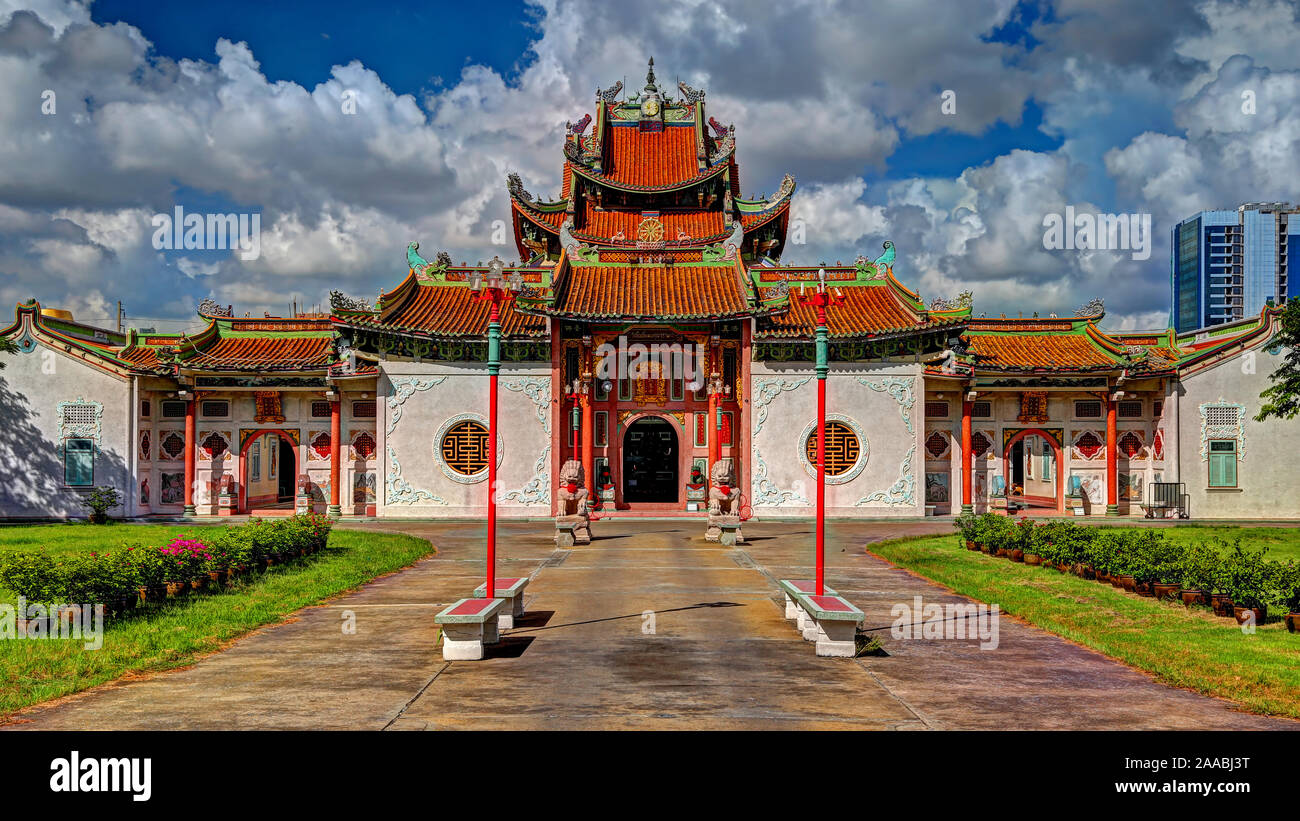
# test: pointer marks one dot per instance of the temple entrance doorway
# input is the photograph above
(1034, 464)
(650, 459)
(269, 469)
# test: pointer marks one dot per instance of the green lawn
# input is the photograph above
(1283, 543)
(1185, 648)
(177, 633)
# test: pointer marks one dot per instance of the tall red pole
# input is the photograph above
(190, 445)
(820, 301)
(821, 469)
(494, 366)
(1112, 458)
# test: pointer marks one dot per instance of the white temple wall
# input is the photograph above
(421, 402)
(879, 402)
(1268, 453)
(33, 385)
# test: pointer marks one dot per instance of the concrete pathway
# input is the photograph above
(649, 627)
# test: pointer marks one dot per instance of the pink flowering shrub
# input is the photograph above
(102, 576)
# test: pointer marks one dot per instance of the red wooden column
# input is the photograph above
(1112, 458)
(711, 428)
(967, 458)
(190, 444)
(588, 445)
(336, 457)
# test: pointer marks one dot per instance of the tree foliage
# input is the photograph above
(1282, 398)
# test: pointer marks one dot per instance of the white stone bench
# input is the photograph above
(796, 587)
(467, 625)
(832, 622)
(512, 590)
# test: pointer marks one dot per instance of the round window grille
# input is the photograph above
(465, 448)
(842, 448)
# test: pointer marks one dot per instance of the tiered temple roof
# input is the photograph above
(649, 227)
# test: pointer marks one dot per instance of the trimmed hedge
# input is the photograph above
(1218, 566)
(114, 575)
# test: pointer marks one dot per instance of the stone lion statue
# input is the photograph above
(573, 489)
(723, 494)
(572, 522)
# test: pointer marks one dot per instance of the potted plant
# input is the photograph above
(1248, 579)
(1026, 539)
(966, 525)
(99, 501)
(1123, 561)
(1200, 572)
(1161, 566)
(1289, 588)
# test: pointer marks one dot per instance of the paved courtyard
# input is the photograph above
(721, 655)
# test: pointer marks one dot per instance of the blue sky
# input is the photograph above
(414, 46)
(1095, 104)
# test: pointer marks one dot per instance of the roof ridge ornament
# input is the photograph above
(962, 301)
(422, 266)
(209, 307)
(879, 268)
(610, 95)
(341, 302)
(1095, 307)
(515, 185)
(689, 94)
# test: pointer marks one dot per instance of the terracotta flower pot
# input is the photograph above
(970, 545)
(174, 589)
(1127, 582)
(143, 593)
(1293, 622)
(1222, 604)
(1241, 614)
(1116, 580)
(1144, 589)
(1191, 597)
(1103, 577)
(1166, 590)
(1017, 555)
(1085, 571)
(1033, 559)
(215, 576)
(196, 585)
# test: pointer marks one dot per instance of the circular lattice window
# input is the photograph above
(846, 449)
(465, 448)
(461, 448)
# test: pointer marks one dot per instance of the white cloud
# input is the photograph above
(1149, 113)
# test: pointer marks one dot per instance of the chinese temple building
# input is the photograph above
(654, 332)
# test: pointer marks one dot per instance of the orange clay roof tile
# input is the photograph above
(646, 291)
(650, 158)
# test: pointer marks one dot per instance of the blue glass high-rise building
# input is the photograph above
(1227, 264)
